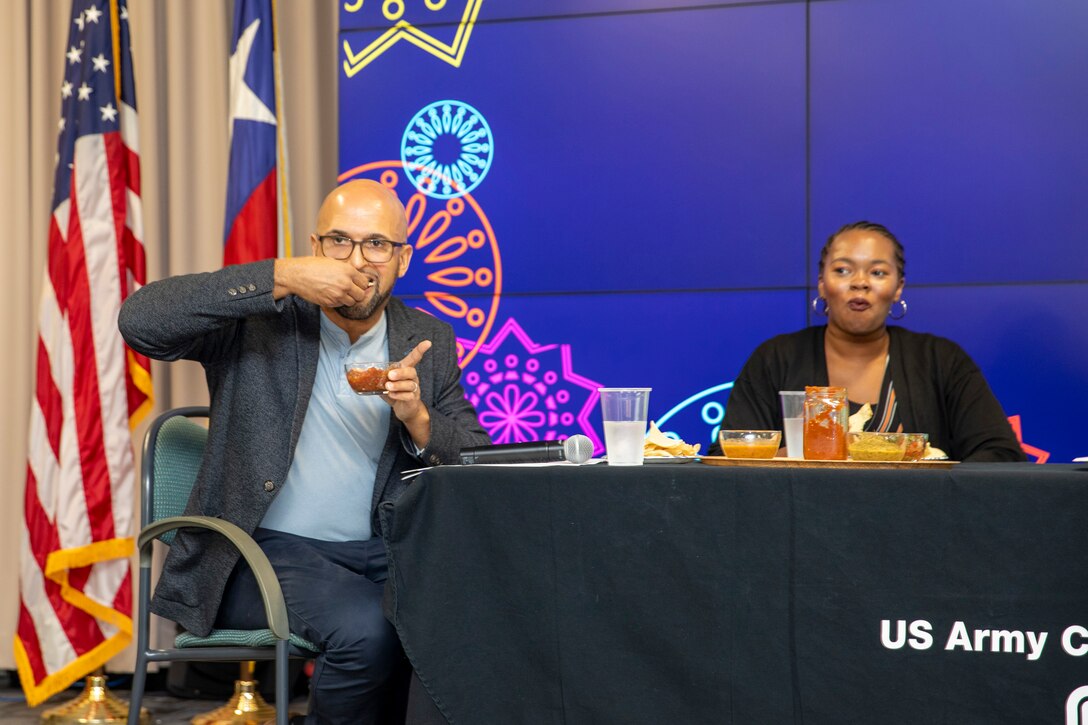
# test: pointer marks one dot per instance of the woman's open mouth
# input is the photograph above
(858, 304)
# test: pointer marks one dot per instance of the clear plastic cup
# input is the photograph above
(793, 421)
(624, 411)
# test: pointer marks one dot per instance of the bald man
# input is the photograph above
(294, 456)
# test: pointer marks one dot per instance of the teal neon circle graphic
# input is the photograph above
(447, 149)
(711, 412)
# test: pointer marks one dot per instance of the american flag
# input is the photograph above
(256, 218)
(75, 608)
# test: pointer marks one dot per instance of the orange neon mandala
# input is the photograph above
(456, 244)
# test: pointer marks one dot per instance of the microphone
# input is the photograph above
(576, 449)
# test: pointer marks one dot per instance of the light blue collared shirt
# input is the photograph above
(328, 491)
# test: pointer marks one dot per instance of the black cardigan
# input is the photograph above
(939, 391)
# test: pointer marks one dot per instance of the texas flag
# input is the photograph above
(256, 220)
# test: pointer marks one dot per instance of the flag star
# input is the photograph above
(93, 14)
(85, 91)
(247, 105)
(60, 126)
(124, 12)
(73, 54)
(79, 21)
(100, 62)
(109, 113)
(66, 89)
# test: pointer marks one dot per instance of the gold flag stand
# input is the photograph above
(245, 707)
(94, 706)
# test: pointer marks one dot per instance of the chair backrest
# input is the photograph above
(173, 450)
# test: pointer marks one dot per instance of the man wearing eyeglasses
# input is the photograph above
(294, 456)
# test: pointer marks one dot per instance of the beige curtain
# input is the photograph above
(180, 52)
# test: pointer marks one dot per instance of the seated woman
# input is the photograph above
(915, 382)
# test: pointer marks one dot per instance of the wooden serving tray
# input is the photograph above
(803, 463)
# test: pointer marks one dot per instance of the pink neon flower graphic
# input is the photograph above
(529, 392)
(511, 415)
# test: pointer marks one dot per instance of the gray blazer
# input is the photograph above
(260, 358)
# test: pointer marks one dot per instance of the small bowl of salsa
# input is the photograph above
(916, 446)
(749, 443)
(368, 378)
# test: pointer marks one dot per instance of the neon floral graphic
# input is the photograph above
(453, 240)
(527, 392)
(511, 414)
(447, 149)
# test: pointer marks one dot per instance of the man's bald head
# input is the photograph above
(363, 197)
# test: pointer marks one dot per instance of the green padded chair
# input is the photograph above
(173, 448)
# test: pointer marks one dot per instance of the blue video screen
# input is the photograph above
(631, 193)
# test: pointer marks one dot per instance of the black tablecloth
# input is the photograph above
(689, 593)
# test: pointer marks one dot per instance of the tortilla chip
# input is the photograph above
(860, 418)
(659, 445)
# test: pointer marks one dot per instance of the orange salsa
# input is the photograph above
(370, 380)
(826, 411)
(744, 449)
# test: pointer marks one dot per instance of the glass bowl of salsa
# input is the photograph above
(368, 378)
(916, 446)
(749, 443)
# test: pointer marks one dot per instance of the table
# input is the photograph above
(687, 593)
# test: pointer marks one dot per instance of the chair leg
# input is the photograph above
(283, 698)
(143, 629)
(139, 680)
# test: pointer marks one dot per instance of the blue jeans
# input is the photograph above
(333, 591)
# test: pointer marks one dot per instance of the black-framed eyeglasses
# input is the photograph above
(376, 250)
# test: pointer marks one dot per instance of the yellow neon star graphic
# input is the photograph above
(451, 53)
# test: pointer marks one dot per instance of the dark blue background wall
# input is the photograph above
(660, 180)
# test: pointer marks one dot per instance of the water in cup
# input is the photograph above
(795, 437)
(623, 441)
(793, 421)
(624, 411)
